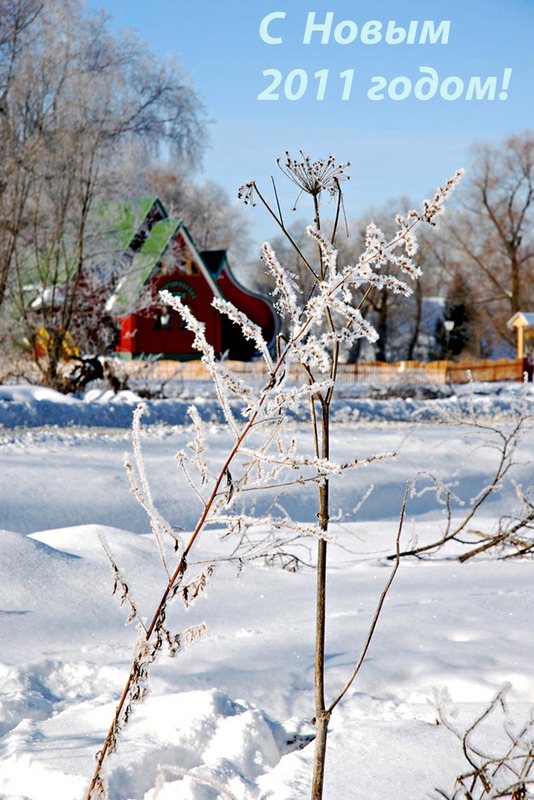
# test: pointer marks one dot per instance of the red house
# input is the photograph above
(159, 253)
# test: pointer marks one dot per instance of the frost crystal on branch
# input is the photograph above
(249, 329)
(140, 486)
(192, 324)
(433, 208)
(328, 253)
(285, 287)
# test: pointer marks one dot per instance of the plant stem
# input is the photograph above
(319, 763)
(322, 716)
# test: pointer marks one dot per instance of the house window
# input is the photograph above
(163, 320)
(186, 265)
(164, 266)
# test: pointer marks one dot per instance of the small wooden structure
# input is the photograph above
(523, 322)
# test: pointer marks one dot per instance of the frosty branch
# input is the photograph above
(500, 755)
(512, 535)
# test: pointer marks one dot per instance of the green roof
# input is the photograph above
(153, 248)
(143, 264)
(120, 220)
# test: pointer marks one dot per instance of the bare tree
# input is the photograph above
(77, 95)
(206, 209)
(15, 17)
(490, 235)
(396, 319)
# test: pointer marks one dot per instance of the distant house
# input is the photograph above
(155, 253)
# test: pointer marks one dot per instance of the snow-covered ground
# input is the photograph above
(233, 709)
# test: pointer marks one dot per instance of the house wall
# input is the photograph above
(158, 330)
(257, 308)
(169, 260)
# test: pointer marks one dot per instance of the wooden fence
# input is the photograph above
(434, 372)
(504, 369)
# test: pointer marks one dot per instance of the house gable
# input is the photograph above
(167, 259)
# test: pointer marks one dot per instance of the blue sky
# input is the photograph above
(398, 144)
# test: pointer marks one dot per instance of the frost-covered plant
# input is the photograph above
(513, 534)
(263, 455)
(319, 325)
(499, 753)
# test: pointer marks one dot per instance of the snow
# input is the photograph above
(229, 716)
(30, 406)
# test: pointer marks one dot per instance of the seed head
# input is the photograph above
(313, 177)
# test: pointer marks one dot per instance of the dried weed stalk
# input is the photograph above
(500, 755)
(513, 534)
(262, 454)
